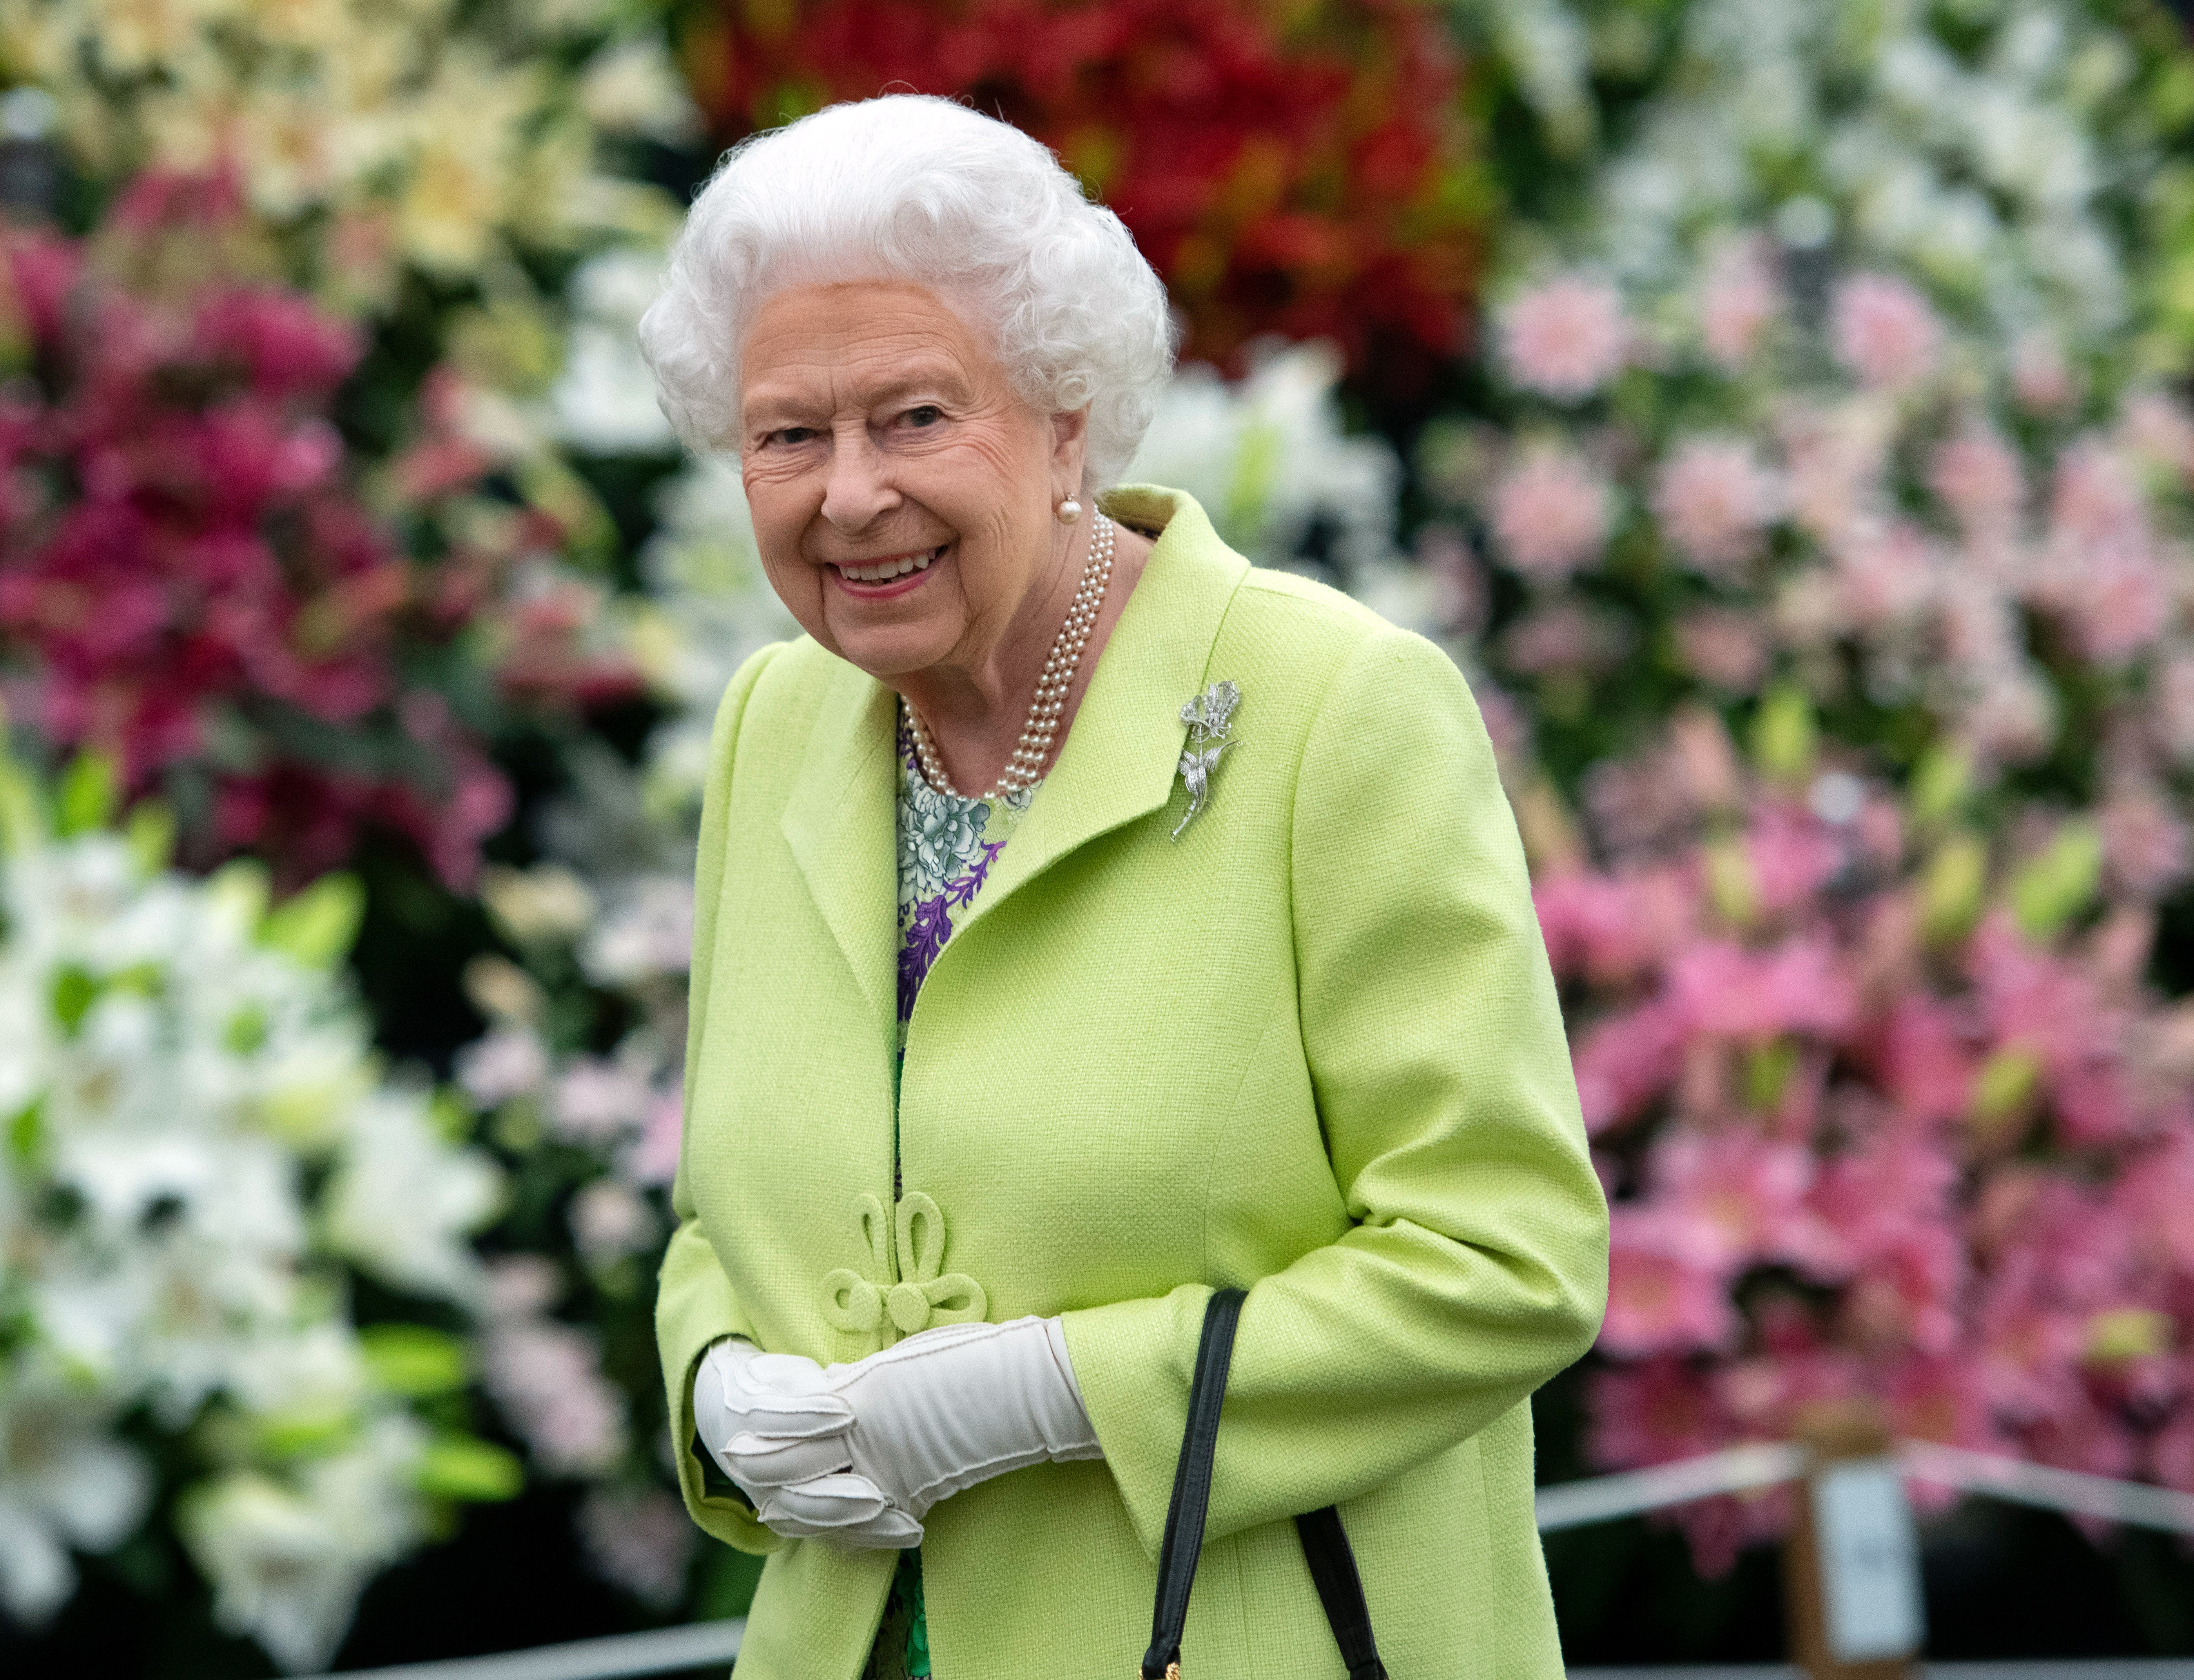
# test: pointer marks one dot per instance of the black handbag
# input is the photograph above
(1324, 1542)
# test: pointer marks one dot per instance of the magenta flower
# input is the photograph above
(1653, 1412)
(653, 1159)
(1885, 572)
(1792, 857)
(1725, 646)
(2145, 842)
(1613, 929)
(1851, 1158)
(596, 1101)
(1743, 1197)
(1624, 1061)
(1667, 1292)
(1923, 1060)
(1835, 457)
(1724, 991)
(2042, 380)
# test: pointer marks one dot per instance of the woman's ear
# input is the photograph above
(1070, 446)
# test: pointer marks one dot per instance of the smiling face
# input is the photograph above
(903, 495)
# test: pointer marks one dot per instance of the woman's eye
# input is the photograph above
(792, 434)
(928, 414)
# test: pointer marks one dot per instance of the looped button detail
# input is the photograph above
(924, 1294)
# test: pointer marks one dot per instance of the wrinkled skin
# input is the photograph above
(877, 425)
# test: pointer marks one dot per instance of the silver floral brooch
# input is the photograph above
(1209, 718)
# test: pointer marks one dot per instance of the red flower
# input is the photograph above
(1301, 173)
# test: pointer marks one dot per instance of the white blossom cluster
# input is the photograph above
(1989, 147)
(199, 1149)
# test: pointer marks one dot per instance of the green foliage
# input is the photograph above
(1785, 740)
(415, 1360)
(2050, 889)
(317, 926)
(89, 794)
(469, 1471)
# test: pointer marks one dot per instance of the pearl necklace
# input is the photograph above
(1034, 749)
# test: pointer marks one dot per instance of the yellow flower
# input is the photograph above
(38, 45)
(318, 25)
(289, 153)
(134, 36)
(545, 185)
(2122, 1335)
(185, 129)
(446, 218)
(367, 74)
(458, 188)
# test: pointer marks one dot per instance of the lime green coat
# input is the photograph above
(1312, 1047)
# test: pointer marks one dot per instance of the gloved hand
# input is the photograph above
(953, 1406)
(771, 1422)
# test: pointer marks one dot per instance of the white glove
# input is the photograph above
(771, 1422)
(951, 1407)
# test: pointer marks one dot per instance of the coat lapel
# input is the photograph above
(842, 823)
(1122, 752)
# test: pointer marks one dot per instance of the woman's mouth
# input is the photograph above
(890, 576)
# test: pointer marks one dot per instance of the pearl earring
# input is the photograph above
(1068, 511)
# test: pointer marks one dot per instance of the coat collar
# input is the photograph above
(1118, 762)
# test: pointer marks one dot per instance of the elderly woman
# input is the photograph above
(1085, 920)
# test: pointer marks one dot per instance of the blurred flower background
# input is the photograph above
(1780, 408)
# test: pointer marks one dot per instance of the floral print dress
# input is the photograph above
(946, 847)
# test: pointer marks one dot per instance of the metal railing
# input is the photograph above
(1734, 1470)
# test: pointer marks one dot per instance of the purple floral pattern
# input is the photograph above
(946, 847)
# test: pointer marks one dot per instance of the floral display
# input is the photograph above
(203, 1160)
(1763, 422)
(190, 579)
(1921, 558)
(422, 137)
(1825, 405)
(1887, 1112)
(1782, 416)
(1302, 172)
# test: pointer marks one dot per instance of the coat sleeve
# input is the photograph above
(1477, 1266)
(695, 1304)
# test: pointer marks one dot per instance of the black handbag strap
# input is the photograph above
(1324, 1541)
(1341, 1590)
(1191, 1485)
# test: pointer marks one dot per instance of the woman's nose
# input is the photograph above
(858, 490)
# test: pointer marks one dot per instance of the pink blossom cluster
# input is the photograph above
(190, 579)
(1551, 511)
(1885, 331)
(1898, 496)
(1716, 501)
(1565, 338)
(1867, 1138)
(546, 1376)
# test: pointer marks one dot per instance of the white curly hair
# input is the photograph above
(913, 187)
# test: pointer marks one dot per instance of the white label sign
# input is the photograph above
(1869, 1561)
